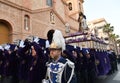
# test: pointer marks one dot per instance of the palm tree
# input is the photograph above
(114, 38)
(118, 41)
(118, 46)
(108, 29)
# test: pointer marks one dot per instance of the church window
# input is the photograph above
(70, 6)
(26, 22)
(49, 3)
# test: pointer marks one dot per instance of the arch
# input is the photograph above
(5, 32)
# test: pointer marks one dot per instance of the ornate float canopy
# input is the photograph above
(85, 40)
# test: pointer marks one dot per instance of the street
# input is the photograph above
(113, 78)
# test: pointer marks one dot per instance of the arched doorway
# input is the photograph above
(5, 31)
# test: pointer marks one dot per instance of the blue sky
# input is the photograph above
(108, 9)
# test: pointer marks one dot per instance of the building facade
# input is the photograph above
(96, 27)
(21, 18)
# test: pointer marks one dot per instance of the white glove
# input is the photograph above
(36, 39)
(22, 44)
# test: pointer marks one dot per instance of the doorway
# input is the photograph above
(5, 30)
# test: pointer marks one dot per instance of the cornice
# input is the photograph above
(42, 10)
(23, 8)
(15, 5)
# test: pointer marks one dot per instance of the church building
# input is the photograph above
(22, 18)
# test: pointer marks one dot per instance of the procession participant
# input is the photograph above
(1, 63)
(91, 66)
(59, 69)
(37, 67)
(79, 64)
(24, 58)
(10, 64)
(47, 44)
(68, 53)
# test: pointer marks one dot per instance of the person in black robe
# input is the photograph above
(79, 65)
(37, 68)
(1, 65)
(24, 59)
(10, 65)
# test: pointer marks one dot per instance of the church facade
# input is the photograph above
(22, 18)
